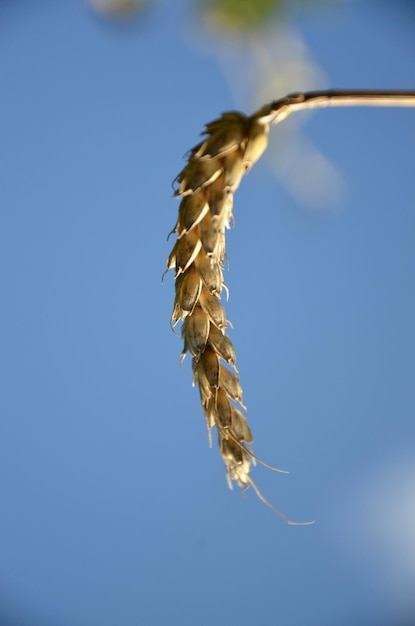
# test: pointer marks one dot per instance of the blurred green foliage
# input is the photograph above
(240, 15)
(229, 16)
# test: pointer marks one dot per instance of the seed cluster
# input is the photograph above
(206, 185)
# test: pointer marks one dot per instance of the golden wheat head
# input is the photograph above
(206, 185)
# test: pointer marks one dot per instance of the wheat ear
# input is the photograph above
(206, 186)
(215, 167)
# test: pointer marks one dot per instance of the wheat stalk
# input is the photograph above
(232, 145)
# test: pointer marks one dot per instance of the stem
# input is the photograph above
(280, 109)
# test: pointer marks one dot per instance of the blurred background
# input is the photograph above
(113, 508)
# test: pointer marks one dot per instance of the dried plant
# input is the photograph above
(215, 167)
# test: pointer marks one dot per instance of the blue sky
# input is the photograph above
(114, 509)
